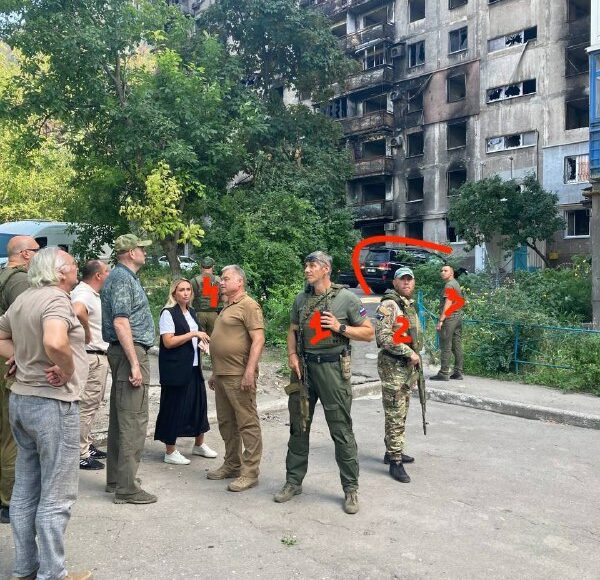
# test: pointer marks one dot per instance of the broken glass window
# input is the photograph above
(495, 94)
(570, 169)
(512, 141)
(513, 39)
(495, 144)
(512, 91)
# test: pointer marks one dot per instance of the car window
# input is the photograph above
(378, 256)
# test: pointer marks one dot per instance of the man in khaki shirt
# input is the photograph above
(235, 347)
(45, 337)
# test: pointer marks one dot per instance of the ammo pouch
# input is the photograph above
(346, 364)
(294, 385)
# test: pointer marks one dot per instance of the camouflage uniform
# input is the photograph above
(207, 314)
(397, 376)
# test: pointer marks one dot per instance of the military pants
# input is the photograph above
(451, 344)
(326, 383)
(396, 380)
(238, 424)
(128, 420)
(207, 321)
(8, 448)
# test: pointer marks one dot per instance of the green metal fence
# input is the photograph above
(530, 344)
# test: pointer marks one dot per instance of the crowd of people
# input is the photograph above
(59, 338)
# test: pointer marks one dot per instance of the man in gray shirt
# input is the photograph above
(128, 327)
(449, 329)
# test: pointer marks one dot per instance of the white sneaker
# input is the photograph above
(205, 451)
(176, 458)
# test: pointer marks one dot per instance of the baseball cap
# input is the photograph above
(128, 242)
(404, 271)
(207, 262)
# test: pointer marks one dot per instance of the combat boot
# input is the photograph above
(287, 492)
(242, 483)
(223, 472)
(440, 377)
(405, 458)
(398, 473)
(457, 375)
(351, 502)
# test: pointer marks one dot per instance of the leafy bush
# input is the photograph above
(277, 312)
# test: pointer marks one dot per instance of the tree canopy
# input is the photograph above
(513, 214)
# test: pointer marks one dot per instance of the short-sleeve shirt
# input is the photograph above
(167, 326)
(455, 286)
(345, 306)
(24, 322)
(84, 294)
(230, 341)
(13, 281)
(123, 296)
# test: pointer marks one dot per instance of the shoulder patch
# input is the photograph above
(379, 316)
(362, 311)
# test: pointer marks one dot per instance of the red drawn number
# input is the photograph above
(315, 324)
(398, 335)
(211, 290)
(457, 301)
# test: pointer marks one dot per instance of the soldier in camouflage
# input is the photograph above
(206, 311)
(397, 364)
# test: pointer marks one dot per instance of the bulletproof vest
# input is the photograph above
(201, 302)
(410, 312)
(5, 276)
(327, 301)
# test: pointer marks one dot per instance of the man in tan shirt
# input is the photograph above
(235, 347)
(45, 337)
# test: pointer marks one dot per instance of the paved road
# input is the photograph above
(492, 497)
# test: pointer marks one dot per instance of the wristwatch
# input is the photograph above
(342, 329)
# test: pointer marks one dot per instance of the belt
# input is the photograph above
(399, 357)
(321, 358)
(98, 352)
(145, 347)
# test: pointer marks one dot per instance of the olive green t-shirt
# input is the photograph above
(345, 306)
(13, 281)
(24, 323)
(230, 340)
(455, 286)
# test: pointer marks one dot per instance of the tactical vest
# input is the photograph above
(409, 312)
(309, 304)
(201, 302)
(5, 276)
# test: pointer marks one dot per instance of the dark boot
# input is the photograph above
(456, 375)
(405, 458)
(398, 473)
(440, 377)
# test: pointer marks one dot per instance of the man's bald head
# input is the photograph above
(20, 250)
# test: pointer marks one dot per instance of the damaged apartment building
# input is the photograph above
(458, 90)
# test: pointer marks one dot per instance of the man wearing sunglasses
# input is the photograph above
(13, 281)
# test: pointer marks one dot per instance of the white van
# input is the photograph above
(45, 233)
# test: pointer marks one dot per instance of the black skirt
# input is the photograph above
(183, 411)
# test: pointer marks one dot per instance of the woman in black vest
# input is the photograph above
(183, 407)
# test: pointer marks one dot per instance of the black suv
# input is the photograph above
(380, 264)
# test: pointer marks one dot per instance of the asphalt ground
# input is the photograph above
(492, 496)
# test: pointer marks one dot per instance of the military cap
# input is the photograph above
(128, 242)
(404, 271)
(207, 262)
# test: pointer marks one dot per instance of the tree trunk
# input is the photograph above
(534, 248)
(169, 246)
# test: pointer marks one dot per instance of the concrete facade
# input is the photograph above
(477, 88)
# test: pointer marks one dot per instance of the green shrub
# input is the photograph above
(277, 312)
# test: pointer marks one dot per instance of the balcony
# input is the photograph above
(376, 166)
(379, 121)
(374, 210)
(382, 31)
(380, 77)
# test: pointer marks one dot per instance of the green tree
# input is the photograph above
(504, 211)
(129, 87)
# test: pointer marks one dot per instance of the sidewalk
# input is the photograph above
(505, 397)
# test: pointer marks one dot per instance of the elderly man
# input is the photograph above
(325, 317)
(47, 341)
(128, 327)
(449, 329)
(88, 308)
(13, 281)
(206, 295)
(398, 365)
(235, 348)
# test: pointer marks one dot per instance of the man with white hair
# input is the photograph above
(13, 281)
(45, 337)
(235, 347)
